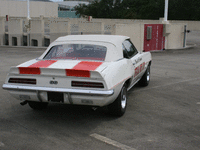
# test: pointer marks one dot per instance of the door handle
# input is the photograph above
(137, 60)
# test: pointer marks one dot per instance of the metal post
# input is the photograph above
(28, 26)
(166, 10)
(184, 40)
(28, 33)
(28, 10)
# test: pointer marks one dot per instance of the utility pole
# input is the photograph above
(28, 9)
(29, 25)
(166, 11)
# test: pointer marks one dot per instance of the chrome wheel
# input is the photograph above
(123, 98)
(118, 107)
(148, 74)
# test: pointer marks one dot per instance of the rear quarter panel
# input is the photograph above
(117, 73)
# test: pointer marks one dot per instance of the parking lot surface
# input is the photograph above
(161, 116)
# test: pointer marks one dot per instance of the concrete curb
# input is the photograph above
(27, 47)
(189, 46)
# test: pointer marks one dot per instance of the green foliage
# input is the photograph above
(184, 10)
(141, 9)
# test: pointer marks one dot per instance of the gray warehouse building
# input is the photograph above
(46, 8)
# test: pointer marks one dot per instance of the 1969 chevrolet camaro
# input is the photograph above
(95, 70)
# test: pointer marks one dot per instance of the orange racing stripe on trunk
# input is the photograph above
(35, 68)
(77, 73)
(83, 69)
(29, 70)
(42, 64)
(87, 65)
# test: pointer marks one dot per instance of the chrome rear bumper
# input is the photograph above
(53, 89)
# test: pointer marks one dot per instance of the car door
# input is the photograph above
(135, 57)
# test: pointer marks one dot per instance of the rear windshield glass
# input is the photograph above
(77, 51)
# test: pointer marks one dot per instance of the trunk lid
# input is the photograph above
(60, 73)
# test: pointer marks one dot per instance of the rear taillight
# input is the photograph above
(22, 81)
(87, 84)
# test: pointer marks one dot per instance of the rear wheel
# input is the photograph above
(37, 105)
(144, 81)
(118, 107)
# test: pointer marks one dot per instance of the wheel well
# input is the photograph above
(128, 82)
(149, 63)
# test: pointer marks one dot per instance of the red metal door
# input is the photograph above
(153, 37)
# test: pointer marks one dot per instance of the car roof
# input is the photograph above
(112, 42)
(114, 39)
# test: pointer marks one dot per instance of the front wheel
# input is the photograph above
(118, 107)
(144, 81)
(37, 105)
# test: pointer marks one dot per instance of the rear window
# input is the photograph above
(77, 51)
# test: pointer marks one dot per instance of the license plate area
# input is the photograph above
(55, 97)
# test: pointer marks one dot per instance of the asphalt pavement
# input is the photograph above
(162, 116)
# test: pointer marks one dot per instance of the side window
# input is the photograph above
(125, 52)
(130, 48)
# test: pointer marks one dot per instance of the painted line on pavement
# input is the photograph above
(166, 85)
(1, 144)
(111, 142)
(198, 103)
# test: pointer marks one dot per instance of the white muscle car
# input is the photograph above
(95, 70)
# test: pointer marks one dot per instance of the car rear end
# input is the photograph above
(73, 82)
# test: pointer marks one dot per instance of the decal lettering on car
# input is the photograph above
(139, 69)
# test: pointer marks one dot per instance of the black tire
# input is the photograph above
(144, 81)
(118, 107)
(37, 105)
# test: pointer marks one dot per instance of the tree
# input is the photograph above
(146, 9)
(141, 9)
(102, 9)
(184, 10)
